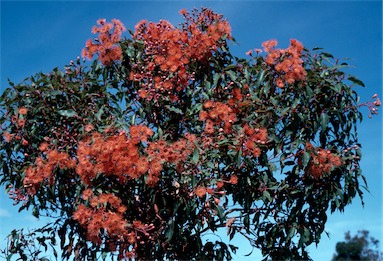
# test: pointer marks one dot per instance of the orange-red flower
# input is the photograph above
(269, 45)
(200, 191)
(86, 194)
(106, 44)
(280, 83)
(21, 122)
(287, 62)
(23, 110)
(89, 127)
(322, 161)
(43, 146)
(233, 179)
(172, 49)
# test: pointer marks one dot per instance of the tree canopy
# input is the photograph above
(165, 137)
(359, 247)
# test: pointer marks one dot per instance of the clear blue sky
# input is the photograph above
(38, 36)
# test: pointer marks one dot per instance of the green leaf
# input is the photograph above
(133, 120)
(272, 167)
(68, 113)
(195, 156)
(246, 74)
(55, 92)
(266, 194)
(210, 164)
(328, 55)
(99, 113)
(160, 132)
(35, 212)
(309, 92)
(305, 158)
(215, 79)
(173, 109)
(246, 221)
(273, 101)
(324, 121)
(207, 84)
(220, 213)
(239, 157)
(261, 76)
(284, 111)
(5, 93)
(169, 231)
(356, 81)
(291, 233)
(232, 75)
(359, 152)
(230, 66)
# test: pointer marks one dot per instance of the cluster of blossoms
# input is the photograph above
(125, 158)
(238, 102)
(19, 121)
(106, 44)
(254, 136)
(217, 114)
(17, 195)
(161, 152)
(372, 105)
(113, 156)
(169, 51)
(45, 166)
(116, 155)
(322, 161)
(105, 212)
(120, 156)
(216, 190)
(220, 117)
(103, 218)
(287, 62)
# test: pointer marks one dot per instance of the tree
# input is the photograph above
(359, 247)
(166, 136)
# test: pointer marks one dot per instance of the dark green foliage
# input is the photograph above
(359, 247)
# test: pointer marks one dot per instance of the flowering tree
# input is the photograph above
(166, 137)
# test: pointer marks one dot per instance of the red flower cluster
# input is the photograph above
(19, 120)
(161, 152)
(287, 62)
(17, 195)
(113, 156)
(169, 51)
(44, 169)
(205, 29)
(105, 45)
(254, 137)
(104, 219)
(120, 156)
(217, 114)
(322, 161)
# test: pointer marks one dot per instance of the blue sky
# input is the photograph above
(38, 36)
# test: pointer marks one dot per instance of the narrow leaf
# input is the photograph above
(195, 156)
(356, 81)
(305, 158)
(324, 121)
(67, 113)
(173, 109)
